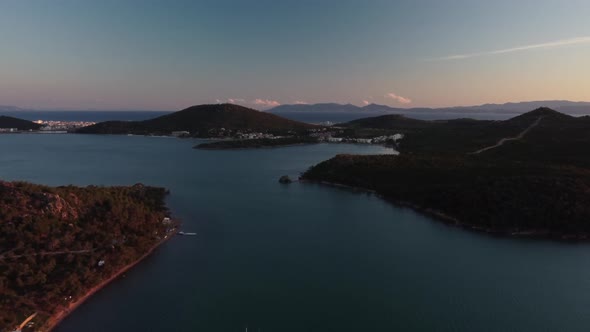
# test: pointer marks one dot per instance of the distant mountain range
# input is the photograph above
(6, 108)
(564, 106)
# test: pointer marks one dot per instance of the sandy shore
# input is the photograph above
(56, 318)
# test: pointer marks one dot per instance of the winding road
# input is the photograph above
(504, 140)
(49, 253)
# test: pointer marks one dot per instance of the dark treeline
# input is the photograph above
(500, 197)
(537, 185)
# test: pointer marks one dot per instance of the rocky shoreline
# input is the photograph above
(55, 319)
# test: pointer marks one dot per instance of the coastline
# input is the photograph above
(53, 321)
(251, 147)
(450, 220)
(198, 147)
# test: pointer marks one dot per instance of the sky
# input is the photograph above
(168, 55)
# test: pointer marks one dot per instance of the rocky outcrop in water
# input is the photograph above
(285, 179)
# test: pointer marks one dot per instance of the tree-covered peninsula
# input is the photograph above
(60, 243)
(527, 176)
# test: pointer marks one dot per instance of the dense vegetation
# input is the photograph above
(536, 185)
(502, 197)
(440, 136)
(53, 240)
(558, 139)
(219, 120)
(10, 122)
(390, 121)
(257, 143)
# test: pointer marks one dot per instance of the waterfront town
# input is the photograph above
(62, 125)
(49, 127)
(326, 134)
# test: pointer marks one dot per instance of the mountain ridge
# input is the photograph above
(565, 106)
(8, 108)
(557, 132)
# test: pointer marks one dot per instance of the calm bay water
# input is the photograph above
(301, 257)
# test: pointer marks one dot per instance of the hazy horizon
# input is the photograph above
(266, 109)
(153, 55)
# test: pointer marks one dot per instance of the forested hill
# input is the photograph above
(203, 121)
(496, 196)
(555, 139)
(20, 124)
(554, 131)
(53, 240)
(529, 175)
(390, 121)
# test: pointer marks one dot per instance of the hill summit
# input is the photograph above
(203, 121)
(545, 112)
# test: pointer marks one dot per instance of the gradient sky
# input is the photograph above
(167, 55)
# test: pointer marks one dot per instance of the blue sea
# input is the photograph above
(300, 257)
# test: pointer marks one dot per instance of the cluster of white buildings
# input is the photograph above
(241, 135)
(375, 140)
(390, 138)
(180, 133)
(62, 125)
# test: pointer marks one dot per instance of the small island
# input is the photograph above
(59, 245)
(257, 143)
(285, 179)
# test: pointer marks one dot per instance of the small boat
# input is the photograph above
(186, 233)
